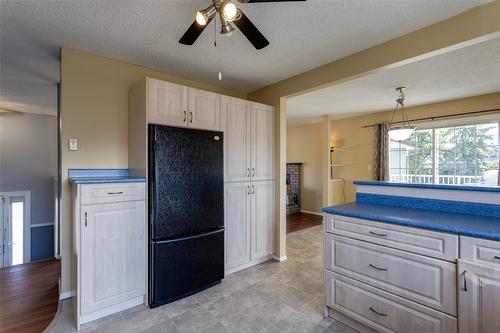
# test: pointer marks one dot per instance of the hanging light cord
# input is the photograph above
(401, 105)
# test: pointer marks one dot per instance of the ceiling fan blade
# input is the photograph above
(251, 32)
(254, 1)
(193, 32)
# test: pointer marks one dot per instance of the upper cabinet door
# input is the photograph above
(236, 139)
(262, 151)
(167, 103)
(203, 109)
(478, 298)
(262, 219)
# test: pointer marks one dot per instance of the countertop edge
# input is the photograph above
(431, 186)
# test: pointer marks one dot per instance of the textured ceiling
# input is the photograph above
(470, 71)
(303, 35)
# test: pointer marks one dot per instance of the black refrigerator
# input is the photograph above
(186, 212)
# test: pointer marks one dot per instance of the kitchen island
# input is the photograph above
(414, 258)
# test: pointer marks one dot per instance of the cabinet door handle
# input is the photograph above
(185, 116)
(253, 189)
(248, 193)
(85, 218)
(377, 234)
(465, 280)
(253, 172)
(497, 257)
(248, 170)
(121, 192)
(377, 268)
(379, 313)
(191, 115)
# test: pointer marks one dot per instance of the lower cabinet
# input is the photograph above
(249, 218)
(478, 298)
(111, 238)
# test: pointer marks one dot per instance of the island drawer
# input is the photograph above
(425, 280)
(429, 243)
(106, 193)
(478, 250)
(382, 311)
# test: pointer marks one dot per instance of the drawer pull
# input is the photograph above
(121, 192)
(379, 313)
(377, 234)
(497, 257)
(377, 268)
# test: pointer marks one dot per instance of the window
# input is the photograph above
(458, 155)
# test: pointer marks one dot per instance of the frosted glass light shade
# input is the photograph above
(401, 133)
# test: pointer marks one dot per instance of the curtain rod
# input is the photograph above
(437, 117)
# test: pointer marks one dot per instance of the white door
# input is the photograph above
(237, 223)
(478, 298)
(262, 219)
(112, 254)
(262, 151)
(15, 228)
(203, 109)
(236, 139)
(167, 103)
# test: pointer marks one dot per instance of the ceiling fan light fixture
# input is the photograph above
(202, 16)
(229, 11)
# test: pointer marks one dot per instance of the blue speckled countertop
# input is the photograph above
(461, 224)
(99, 176)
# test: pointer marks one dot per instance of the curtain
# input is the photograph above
(382, 152)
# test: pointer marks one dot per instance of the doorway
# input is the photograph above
(15, 228)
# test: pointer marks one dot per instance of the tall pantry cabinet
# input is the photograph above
(249, 182)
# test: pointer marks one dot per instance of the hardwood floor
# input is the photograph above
(29, 296)
(299, 221)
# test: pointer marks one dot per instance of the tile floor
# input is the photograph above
(270, 297)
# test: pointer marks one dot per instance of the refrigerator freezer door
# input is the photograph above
(184, 266)
(186, 181)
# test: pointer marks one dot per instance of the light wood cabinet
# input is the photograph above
(479, 298)
(249, 145)
(110, 248)
(262, 226)
(203, 109)
(249, 219)
(167, 103)
(177, 105)
(237, 143)
(262, 136)
(112, 254)
(237, 218)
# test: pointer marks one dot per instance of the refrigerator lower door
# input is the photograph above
(184, 266)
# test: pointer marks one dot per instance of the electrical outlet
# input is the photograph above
(72, 144)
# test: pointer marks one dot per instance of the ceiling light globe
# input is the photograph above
(200, 19)
(229, 11)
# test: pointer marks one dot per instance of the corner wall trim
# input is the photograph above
(67, 294)
(310, 212)
(280, 259)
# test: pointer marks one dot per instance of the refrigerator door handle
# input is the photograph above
(190, 237)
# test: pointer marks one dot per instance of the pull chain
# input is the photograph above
(218, 49)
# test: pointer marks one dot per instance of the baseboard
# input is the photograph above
(247, 265)
(67, 294)
(111, 310)
(310, 212)
(280, 259)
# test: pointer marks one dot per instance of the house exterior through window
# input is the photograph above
(455, 155)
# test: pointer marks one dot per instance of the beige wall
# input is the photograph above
(304, 144)
(94, 103)
(358, 143)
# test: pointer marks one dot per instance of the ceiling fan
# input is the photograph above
(228, 14)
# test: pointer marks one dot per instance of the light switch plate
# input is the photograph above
(73, 144)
